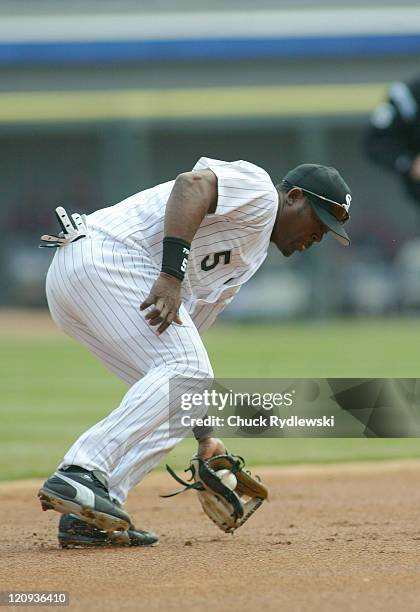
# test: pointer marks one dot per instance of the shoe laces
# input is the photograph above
(98, 476)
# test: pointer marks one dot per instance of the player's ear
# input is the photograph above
(294, 195)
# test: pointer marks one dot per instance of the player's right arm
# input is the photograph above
(194, 195)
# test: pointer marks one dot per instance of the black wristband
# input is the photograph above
(175, 256)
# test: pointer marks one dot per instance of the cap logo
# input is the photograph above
(348, 202)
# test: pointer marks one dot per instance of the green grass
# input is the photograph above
(52, 389)
(355, 348)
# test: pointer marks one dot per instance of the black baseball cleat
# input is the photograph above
(74, 490)
(74, 533)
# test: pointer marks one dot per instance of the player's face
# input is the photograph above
(301, 227)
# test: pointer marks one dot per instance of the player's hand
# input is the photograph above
(165, 295)
(209, 447)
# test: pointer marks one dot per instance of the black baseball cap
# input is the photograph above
(328, 194)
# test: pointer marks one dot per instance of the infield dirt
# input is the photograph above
(332, 538)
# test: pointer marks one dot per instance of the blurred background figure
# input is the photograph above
(101, 100)
(393, 136)
(392, 141)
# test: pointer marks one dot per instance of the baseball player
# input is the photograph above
(392, 139)
(138, 283)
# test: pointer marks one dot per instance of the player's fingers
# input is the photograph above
(156, 319)
(172, 317)
(152, 314)
(164, 312)
(162, 328)
(165, 324)
(160, 303)
(177, 319)
(159, 313)
(148, 301)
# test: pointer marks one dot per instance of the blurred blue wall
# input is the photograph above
(99, 100)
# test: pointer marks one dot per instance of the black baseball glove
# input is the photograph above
(228, 508)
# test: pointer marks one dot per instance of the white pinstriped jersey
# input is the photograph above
(229, 246)
(94, 289)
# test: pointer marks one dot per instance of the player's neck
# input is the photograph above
(276, 227)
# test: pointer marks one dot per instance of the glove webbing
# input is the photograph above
(216, 487)
(187, 485)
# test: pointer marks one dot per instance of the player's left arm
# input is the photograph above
(193, 196)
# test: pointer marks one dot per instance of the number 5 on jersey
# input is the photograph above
(211, 261)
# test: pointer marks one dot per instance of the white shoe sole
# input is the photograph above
(107, 522)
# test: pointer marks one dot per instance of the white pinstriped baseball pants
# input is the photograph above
(94, 289)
